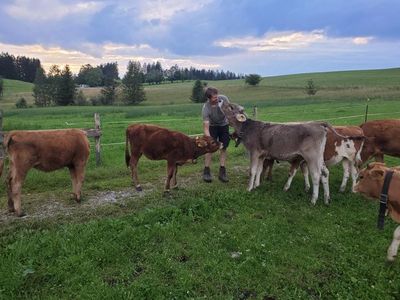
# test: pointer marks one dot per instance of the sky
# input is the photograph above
(266, 37)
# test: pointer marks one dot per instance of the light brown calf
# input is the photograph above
(370, 184)
(45, 150)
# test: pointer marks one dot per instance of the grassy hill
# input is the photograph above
(373, 84)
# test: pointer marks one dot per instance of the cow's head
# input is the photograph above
(234, 113)
(369, 149)
(370, 180)
(207, 144)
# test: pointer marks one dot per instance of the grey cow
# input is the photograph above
(283, 142)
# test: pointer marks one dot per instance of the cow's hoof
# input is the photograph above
(139, 188)
(342, 190)
(390, 259)
(11, 210)
(167, 193)
(175, 187)
(21, 214)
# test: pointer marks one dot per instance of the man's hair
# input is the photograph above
(210, 91)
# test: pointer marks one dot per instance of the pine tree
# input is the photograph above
(66, 90)
(109, 92)
(198, 95)
(132, 86)
(41, 91)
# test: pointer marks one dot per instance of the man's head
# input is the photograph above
(212, 95)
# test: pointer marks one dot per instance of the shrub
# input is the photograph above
(310, 88)
(21, 103)
(253, 79)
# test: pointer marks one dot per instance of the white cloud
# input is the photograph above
(50, 10)
(109, 52)
(161, 10)
(362, 40)
(277, 41)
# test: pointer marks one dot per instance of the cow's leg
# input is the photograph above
(174, 181)
(135, 155)
(77, 175)
(171, 167)
(325, 183)
(354, 175)
(304, 170)
(315, 168)
(259, 171)
(254, 158)
(379, 157)
(267, 165)
(16, 179)
(346, 174)
(9, 191)
(292, 172)
(394, 246)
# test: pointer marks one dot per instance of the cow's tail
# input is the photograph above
(127, 152)
(353, 137)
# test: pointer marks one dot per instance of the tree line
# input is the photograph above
(18, 67)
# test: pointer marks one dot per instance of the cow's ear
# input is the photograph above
(377, 173)
(241, 118)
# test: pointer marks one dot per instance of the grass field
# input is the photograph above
(207, 240)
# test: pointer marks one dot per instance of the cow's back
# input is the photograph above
(49, 150)
(351, 145)
(386, 134)
(290, 140)
(159, 143)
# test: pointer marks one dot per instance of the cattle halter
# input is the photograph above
(384, 199)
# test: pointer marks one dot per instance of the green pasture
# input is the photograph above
(213, 240)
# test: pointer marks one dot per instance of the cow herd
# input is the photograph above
(310, 146)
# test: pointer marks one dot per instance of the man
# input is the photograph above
(216, 125)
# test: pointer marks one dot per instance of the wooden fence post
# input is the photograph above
(255, 112)
(366, 111)
(97, 127)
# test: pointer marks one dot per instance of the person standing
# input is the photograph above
(216, 125)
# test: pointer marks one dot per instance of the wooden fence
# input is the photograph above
(91, 133)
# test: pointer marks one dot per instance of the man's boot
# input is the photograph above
(222, 174)
(207, 174)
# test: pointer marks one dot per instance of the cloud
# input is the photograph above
(287, 40)
(161, 10)
(50, 10)
(108, 52)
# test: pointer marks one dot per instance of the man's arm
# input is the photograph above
(206, 128)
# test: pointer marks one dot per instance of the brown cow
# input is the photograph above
(383, 137)
(370, 184)
(158, 143)
(45, 150)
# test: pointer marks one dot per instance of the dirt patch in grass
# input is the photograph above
(52, 205)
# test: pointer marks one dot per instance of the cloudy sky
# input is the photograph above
(268, 37)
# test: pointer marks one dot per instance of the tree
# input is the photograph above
(66, 89)
(253, 79)
(41, 89)
(109, 92)
(21, 103)
(132, 86)
(310, 88)
(198, 94)
(1, 86)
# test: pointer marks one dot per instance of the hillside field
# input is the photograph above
(216, 240)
